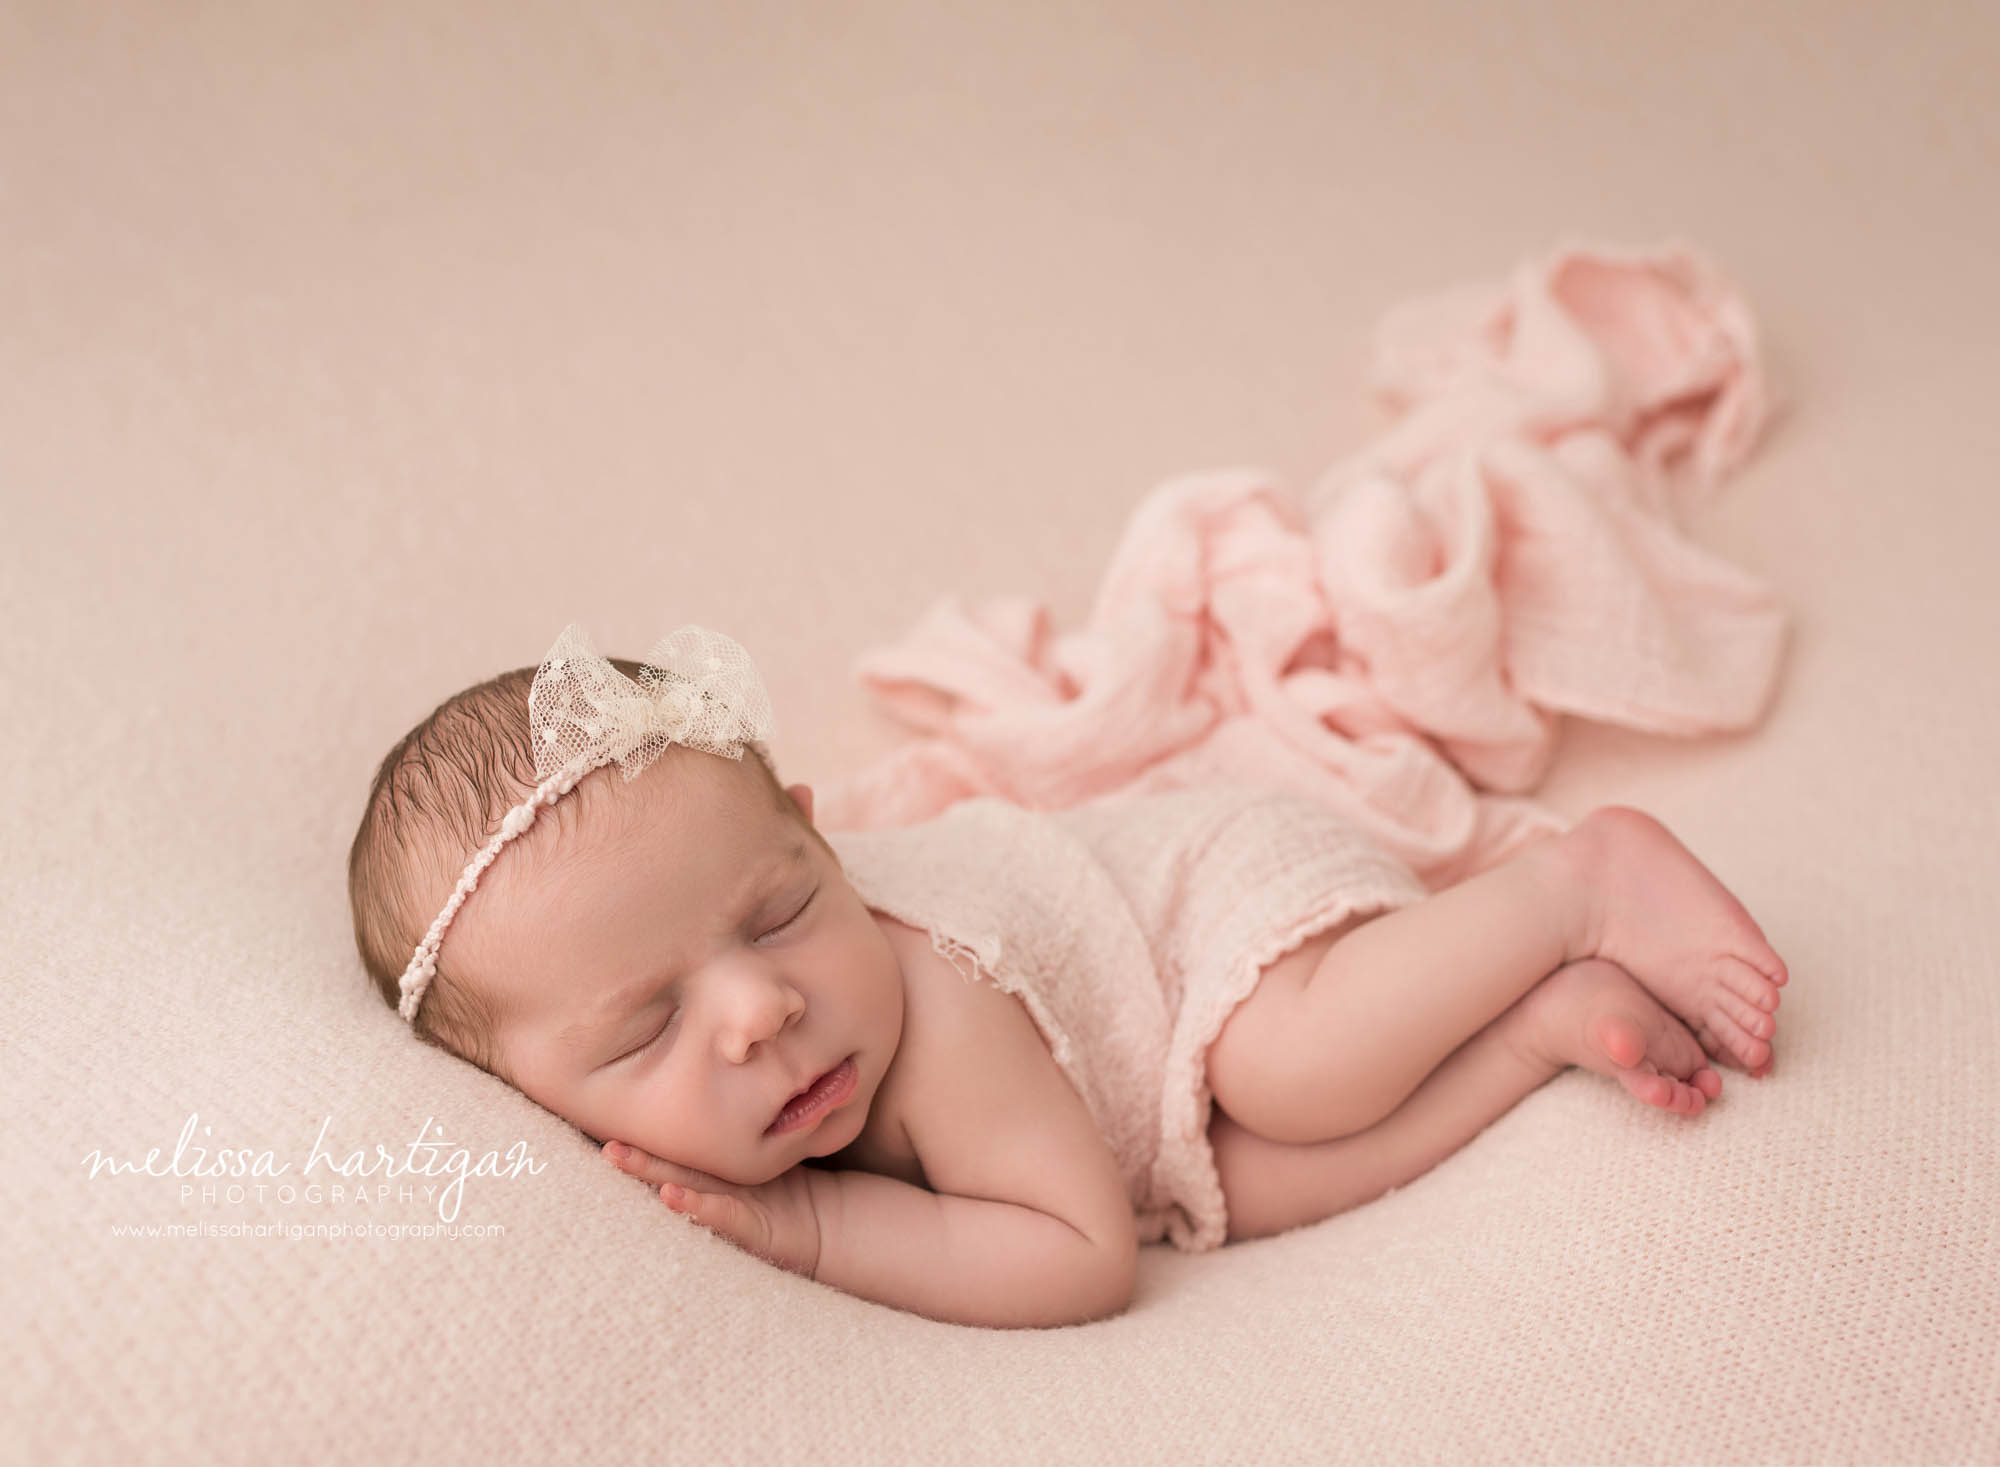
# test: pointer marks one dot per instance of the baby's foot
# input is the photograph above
(1662, 916)
(1595, 1014)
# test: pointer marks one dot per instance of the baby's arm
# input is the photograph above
(969, 1260)
(1027, 1220)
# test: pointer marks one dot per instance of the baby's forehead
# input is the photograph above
(694, 798)
(628, 852)
(684, 791)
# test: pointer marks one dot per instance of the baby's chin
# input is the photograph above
(764, 1169)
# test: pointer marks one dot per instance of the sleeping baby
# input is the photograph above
(967, 1067)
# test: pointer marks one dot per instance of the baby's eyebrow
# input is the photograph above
(621, 1005)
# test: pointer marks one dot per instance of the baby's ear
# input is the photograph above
(802, 796)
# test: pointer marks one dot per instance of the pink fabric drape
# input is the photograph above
(1401, 642)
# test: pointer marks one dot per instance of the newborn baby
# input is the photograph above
(676, 962)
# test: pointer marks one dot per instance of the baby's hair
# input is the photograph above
(438, 797)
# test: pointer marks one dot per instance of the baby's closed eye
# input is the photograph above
(796, 915)
(650, 1040)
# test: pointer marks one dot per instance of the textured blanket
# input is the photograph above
(317, 317)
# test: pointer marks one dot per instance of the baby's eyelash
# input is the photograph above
(643, 1045)
(796, 915)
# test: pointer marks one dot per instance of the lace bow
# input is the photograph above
(696, 687)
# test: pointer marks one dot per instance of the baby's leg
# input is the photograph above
(1321, 1051)
(1590, 1013)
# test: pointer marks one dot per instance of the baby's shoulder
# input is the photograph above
(884, 1146)
(987, 1110)
(944, 1013)
(943, 1002)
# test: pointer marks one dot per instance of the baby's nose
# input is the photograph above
(759, 1011)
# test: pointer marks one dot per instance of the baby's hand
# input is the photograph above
(775, 1221)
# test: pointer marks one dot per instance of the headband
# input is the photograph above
(697, 688)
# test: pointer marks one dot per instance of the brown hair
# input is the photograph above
(437, 798)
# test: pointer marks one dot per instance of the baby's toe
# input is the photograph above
(1748, 984)
(1682, 1099)
(1748, 1050)
(1718, 1049)
(1753, 1022)
(1647, 1084)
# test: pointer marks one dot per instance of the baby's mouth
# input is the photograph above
(802, 1107)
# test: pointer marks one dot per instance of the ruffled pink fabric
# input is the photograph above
(1401, 642)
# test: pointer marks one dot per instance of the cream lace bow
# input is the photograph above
(695, 687)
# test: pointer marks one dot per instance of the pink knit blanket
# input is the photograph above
(1401, 642)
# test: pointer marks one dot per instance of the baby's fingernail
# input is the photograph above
(674, 1192)
(615, 1152)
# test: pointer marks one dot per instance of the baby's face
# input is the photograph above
(679, 962)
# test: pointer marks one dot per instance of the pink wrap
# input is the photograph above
(1130, 928)
(1407, 637)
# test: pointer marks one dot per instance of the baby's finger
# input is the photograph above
(658, 1170)
(642, 1164)
(720, 1212)
(703, 1208)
